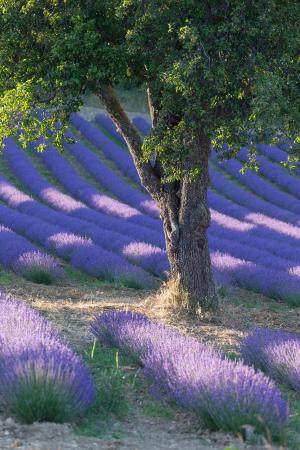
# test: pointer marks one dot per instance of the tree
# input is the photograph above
(216, 72)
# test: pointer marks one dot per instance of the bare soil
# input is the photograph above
(71, 307)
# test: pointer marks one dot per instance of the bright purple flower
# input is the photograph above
(224, 393)
(18, 254)
(31, 263)
(277, 353)
(31, 355)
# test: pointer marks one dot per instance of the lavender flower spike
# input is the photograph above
(225, 394)
(275, 352)
(40, 376)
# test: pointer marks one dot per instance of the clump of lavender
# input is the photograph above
(38, 267)
(225, 394)
(40, 377)
(275, 352)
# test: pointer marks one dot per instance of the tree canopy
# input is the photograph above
(232, 66)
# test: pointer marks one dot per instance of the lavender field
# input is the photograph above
(86, 208)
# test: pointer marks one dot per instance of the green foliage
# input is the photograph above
(108, 369)
(36, 400)
(230, 69)
(38, 275)
(6, 277)
(110, 377)
(121, 389)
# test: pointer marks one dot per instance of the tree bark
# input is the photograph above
(186, 218)
(184, 210)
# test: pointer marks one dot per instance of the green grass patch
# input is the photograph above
(37, 400)
(293, 431)
(155, 408)
(6, 278)
(121, 391)
(38, 276)
(108, 368)
(85, 280)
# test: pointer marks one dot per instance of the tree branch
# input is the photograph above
(150, 180)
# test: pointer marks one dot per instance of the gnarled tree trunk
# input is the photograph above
(183, 207)
(186, 218)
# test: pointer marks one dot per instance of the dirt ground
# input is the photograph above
(71, 307)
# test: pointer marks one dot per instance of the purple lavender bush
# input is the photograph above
(277, 353)
(38, 267)
(21, 256)
(40, 376)
(225, 394)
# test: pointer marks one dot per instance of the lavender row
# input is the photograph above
(24, 258)
(273, 152)
(105, 122)
(110, 180)
(253, 235)
(261, 187)
(235, 192)
(277, 353)
(224, 394)
(275, 174)
(80, 189)
(38, 185)
(80, 251)
(226, 243)
(40, 376)
(142, 125)
(151, 258)
(274, 229)
(113, 151)
(248, 275)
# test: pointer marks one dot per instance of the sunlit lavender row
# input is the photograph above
(40, 376)
(277, 353)
(225, 394)
(24, 258)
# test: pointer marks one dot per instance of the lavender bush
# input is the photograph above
(225, 394)
(40, 377)
(38, 267)
(18, 254)
(277, 353)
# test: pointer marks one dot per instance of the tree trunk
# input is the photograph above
(183, 207)
(186, 218)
